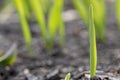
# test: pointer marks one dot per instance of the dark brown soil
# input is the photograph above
(55, 63)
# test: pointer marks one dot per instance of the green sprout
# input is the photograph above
(27, 8)
(67, 77)
(46, 5)
(100, 19)
(23, 11)
(40, 17)
(62, 33)
(93, 51)
(55, 19)
(9, 57)
(82, 7)
(118, 12)
(49, 28)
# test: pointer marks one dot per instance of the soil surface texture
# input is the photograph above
(54, 64)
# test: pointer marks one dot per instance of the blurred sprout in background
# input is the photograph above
(9, 57)
(92, 36)
(82, 7)
(118, 12)
(23, 11)
(53, 23)
(46, 5)
(48, 26)
(67, 77)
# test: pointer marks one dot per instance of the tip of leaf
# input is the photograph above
(9, 57)
(67, 77)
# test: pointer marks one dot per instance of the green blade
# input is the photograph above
(39, 13)
(54, 18)
(9, 57)
(100, 19)
(25, 27)
(118, 12)
(83, 11)
(93, 51)
(67, 77)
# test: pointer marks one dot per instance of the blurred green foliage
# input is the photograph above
(118, 12)
(92, 36)
(9, 57)
(82, 7)
(67, 77)
(48, 26)
(23, 11)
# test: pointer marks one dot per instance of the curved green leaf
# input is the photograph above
(25, 26)
(54, 19)
(93, 50)
(9, 57)
(67, 77)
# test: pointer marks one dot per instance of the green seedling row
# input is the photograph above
(82, 10)
(54, 20)
(82, 7)
(62, 32)
(38, 11)
(9, 57)
(49, 26)
(93, 50)
(118, 12)
(23, 11)
(67, 77)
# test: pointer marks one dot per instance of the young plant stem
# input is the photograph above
(25, 27)
(54, 19)
(39, 13)
(99, 9)
(82, 10)
(93, 51)
(67, 77)
(26, 5)
(118, 13)
(62, 33)
(99, 18)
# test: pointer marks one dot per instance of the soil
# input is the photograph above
(53, 64)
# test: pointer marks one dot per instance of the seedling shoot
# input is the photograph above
(93, 51)
(67, 77)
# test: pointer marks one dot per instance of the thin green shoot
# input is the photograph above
(9, 57)
(118, 12)
(93, 51)
(25, 27)
(45, 5)
(38, 11)
(67, 77)
(48, 27)
(54, 20)
(82, 7)
(100, 18)
(27, 8)
(62, 33)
